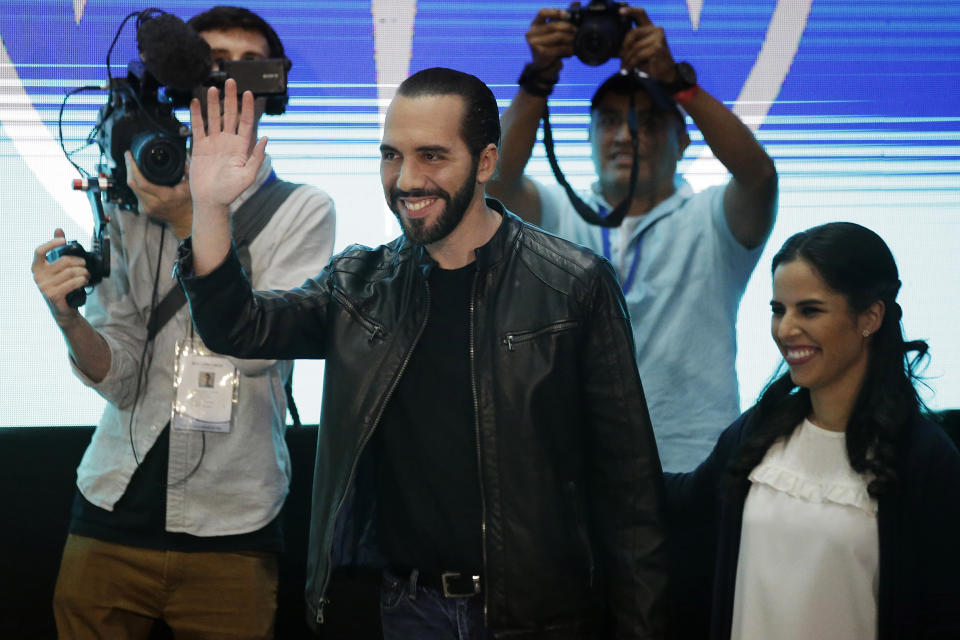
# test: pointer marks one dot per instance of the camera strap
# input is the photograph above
(615, 217)
(248, 221)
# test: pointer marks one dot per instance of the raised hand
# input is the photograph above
(222, 163)
(550, 38)
(645, 48)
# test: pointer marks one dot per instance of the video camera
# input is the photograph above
(139, 114)
(600, 30)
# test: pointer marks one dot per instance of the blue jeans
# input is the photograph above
(409, 611)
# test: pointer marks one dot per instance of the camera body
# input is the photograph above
(139, 117)
(95, 265)
(600, 30)
(136, 119)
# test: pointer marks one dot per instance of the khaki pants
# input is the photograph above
(114, 591)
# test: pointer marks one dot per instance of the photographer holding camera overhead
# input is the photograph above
(683, 258)
(176, 516)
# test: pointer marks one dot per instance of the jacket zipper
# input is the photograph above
(476, 422)
(363, 443)
(375, 330)
(512, 339)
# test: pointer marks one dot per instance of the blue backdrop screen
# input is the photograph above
(858, 104)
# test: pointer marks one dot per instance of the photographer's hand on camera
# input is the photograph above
(222, 166)
(171, 205)
(750, 197)
(58, 278)
(55, 280)
(645, 48)
(550, 38)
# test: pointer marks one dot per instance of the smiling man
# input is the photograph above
(683, 258)
(484, 437)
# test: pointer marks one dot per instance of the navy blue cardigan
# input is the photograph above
(918, 526)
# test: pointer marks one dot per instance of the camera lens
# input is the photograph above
(596, 41)
(160, 156)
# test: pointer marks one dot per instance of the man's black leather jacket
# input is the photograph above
(571, 488)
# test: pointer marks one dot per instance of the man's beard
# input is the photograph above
(416, 230)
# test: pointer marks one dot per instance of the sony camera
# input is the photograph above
(135, 118)
(139, 117)
(175, 66)
(600, 30)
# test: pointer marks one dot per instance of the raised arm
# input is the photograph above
(222, 165)
(750, 198)
(551, 39)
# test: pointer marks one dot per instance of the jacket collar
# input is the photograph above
(495, 250)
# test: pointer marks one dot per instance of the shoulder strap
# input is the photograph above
(254, 214)
(248, 221)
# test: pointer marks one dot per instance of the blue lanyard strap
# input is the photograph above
(608, 254)
(632, 273)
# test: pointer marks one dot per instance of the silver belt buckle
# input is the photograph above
(448, 591)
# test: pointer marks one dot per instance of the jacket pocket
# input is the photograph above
(514, 339)
(374, 329)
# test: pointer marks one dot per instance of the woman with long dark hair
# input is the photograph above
(833, 504)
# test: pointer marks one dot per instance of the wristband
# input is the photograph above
(685, 96)
(534, 83)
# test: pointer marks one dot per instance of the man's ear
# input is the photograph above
(487, 163)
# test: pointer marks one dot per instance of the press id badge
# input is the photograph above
(206, 389)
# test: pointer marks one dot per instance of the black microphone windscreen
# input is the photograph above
(173, 52)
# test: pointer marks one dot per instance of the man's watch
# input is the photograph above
(684, 82)
(685, 78)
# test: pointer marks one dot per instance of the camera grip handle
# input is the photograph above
(78, 297)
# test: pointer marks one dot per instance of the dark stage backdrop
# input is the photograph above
(858, 103)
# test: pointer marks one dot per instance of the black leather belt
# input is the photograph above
(451, 584)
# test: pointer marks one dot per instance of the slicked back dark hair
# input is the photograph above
(224, 18)
(481, 118)
(856, 263)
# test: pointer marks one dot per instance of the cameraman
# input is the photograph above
(170, 522)
(684, 285)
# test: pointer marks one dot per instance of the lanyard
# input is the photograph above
(608, 254)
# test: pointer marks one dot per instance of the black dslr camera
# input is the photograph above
(600, 30)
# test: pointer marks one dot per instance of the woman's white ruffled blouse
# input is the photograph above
(809, 548)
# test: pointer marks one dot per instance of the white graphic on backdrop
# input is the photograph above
(78, 6)
(39, 150)
(694, 7)
(393, 49)
(762, 86)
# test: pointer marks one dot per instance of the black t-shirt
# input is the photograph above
(139, 517)
(427, 481)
